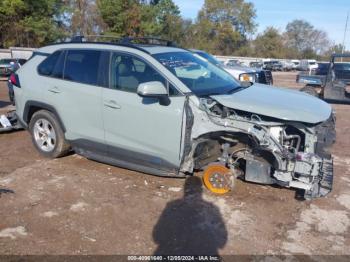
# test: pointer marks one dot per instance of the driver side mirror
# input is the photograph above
(246, 84)
(152, 89)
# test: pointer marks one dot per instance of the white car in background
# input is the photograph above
(308, 65)
(287, 65)
(296, 64)
(241, 73)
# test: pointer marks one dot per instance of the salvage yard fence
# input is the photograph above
(246, 60)
(24, 52)
(16, 52)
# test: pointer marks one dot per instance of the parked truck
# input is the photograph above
(334, 85)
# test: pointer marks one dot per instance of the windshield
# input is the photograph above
(312, 63)
(342, 66)
(210, 58)
(201, 77)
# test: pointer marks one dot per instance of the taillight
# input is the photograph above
(14, 80)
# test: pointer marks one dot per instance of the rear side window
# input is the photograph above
(58, 68)
(82, 66)
(47, 66)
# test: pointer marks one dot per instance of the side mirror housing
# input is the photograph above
(152, 89)
(246, 84)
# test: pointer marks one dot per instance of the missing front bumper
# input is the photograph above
(324, 186)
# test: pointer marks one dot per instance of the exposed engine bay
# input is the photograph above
(259, 148)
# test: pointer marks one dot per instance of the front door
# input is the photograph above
(142, 131)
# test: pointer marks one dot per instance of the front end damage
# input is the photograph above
(258, 148)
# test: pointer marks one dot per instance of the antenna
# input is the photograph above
(346, 28)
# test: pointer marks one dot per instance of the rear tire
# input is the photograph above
(309, 90)
(47, 135)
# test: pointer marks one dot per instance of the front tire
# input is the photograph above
(47, 135)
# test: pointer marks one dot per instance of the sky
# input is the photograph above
(327, 15)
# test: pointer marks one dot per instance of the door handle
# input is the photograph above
(55, 90)
(112, 104)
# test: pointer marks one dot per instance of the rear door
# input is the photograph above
(75, 91)
(142, 131)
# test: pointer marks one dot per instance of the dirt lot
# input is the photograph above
(76, 206)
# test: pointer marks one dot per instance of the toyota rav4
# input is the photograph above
(166, 111)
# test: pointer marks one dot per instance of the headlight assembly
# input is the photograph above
(247, 77)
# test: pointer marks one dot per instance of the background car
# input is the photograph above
(258, 65)
(7, 66)
(287, 66)
(232, 62)
(296, 64)
(322, 69)
(242, 73)
(308, 64)
(273, 66)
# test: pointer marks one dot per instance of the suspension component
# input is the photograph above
(218, 179)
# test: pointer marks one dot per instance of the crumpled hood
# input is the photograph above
(277, 102)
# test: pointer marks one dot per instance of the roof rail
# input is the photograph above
(148, 41)
(125, 40)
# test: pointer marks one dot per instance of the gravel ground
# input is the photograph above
(73, 205)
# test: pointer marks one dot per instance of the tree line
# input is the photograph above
(222, 27)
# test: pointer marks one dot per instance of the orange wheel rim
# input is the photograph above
(215, 178)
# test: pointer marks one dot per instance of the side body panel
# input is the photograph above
(79, 106)
(32, 85)
(142, 129)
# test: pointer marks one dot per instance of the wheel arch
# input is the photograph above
(212, 141)
(237, 140)
(31, 107)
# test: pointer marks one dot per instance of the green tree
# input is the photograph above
(84, 17)
(222, 26)
(122, 17)
(269, 44)
(31, 23)
(168, 18)
(140, 17)
(305, 40)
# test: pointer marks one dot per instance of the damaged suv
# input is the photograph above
(165, 111)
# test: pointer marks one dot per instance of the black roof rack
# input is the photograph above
(124, 40)
(147, 41)
(132, 42)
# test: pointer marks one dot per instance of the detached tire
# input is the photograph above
(47, 135)
(309, 90)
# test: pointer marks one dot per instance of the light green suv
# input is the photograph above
(165, 111)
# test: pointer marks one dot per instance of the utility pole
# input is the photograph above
(346, 28)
